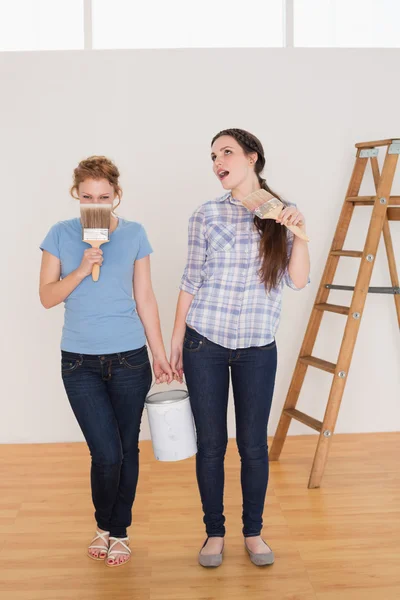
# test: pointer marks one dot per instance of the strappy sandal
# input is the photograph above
(112, 553)
(99, 536)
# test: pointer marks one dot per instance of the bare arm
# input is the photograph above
(191, 282)
(184, 301)
(299, 263)
(52, 290)
(147, 309)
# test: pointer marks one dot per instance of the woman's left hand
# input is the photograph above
(291, 216)
(162, 370)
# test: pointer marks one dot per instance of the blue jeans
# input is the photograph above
(107, 394)
(206, 366)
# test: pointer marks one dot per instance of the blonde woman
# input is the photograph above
(104, 361)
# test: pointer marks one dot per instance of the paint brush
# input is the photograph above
(96, 222)
(265, 206)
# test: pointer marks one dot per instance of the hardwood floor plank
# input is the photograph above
(339, 542)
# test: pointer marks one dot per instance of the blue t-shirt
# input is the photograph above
(100, 316)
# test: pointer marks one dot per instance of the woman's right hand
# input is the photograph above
(91, 256)
(176, 360)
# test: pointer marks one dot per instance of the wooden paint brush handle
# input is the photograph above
(299, 232)
(96, 267)
(96, 272)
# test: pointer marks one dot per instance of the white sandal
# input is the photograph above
(126, 552)
(99, 536)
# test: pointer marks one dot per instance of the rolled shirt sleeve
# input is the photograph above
(193, 275)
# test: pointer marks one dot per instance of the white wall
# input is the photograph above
(154, 113)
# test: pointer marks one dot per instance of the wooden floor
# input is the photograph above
(340, 542)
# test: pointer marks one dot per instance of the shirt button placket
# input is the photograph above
(244, 273)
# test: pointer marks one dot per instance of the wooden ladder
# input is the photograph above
(385, 208)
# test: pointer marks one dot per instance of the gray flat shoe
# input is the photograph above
(210, 560)
(260, 560)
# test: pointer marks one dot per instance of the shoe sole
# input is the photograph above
(205, 565)
(261, 560)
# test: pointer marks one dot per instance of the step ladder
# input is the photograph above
(385, 208)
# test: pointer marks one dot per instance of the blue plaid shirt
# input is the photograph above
(230, 306)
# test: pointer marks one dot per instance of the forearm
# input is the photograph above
(148, 312)
(299, 263)
(52, 294)
(184, 301)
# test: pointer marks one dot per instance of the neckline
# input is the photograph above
(118, 227)
(234, 200)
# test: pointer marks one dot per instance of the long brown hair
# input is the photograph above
(273, 243)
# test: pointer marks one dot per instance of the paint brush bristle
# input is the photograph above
(96, 216)
(256, 199)
(263, 204)
(96, 221)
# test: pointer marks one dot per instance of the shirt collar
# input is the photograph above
(228, 197)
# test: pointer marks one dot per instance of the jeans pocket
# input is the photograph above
(192, 343)
(135, 359)
(68, 365)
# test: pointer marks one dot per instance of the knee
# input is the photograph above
(110, 458)
(212, 451)
(131, 454)
(253, 452)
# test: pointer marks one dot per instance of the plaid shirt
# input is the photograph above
(230, 306)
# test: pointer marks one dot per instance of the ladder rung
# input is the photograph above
(371, 290)
(303, 418)
(351, 253)
(335, 308)
(393, 214)
(375, 144)
(318, 363)
(370, 200)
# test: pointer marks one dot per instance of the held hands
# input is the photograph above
(91, 256)
(162, 370)
(291, 216)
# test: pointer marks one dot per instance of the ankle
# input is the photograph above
(213, 545)
(103, 531)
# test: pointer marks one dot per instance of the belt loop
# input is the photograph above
(119, 357)
(80, 359)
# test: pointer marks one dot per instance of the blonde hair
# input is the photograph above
(96, 167)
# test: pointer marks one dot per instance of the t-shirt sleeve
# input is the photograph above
(144, 245)
(51, 242)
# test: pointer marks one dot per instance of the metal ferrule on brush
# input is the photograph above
(265, 208)
(95, 235)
